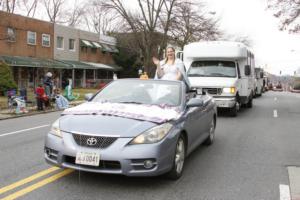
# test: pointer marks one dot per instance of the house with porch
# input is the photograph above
(33, 47)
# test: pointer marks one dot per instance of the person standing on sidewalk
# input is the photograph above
(40, 97)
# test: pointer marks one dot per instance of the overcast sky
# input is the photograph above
(274, 50)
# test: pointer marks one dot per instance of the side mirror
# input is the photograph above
(195, 102)
(88, 96)
(247, 70)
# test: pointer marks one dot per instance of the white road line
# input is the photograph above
(275, 98)
(284, 192)
(24, 130)
(275, 113)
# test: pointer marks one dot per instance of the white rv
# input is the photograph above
(222, 69)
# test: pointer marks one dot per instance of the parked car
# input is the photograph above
(133, 127)
(278, 87)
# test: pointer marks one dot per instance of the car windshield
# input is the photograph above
(212, 69)
(141, 92)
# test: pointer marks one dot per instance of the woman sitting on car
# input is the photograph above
(170, 68)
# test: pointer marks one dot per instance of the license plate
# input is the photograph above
(87, 158)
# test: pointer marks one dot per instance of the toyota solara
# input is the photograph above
(133, 127)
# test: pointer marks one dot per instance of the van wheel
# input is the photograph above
(250, 103)
(233, 111)
(178, 162)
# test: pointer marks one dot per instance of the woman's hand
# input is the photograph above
(156, 61)
(159, 71)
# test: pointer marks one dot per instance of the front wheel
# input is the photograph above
(233, 111)
(250, 102)
(178, 162)
(210, 139)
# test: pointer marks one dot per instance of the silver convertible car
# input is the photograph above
(133, 127)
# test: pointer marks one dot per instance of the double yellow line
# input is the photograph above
(34, 186)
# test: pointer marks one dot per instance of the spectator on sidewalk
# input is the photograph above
(68, 93)
(60, 101)
(48, 83)
(41, 97)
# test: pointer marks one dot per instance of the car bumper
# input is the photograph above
(225, 102)
(118, 158)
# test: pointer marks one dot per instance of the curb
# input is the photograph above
(295, 91)
(29, 114)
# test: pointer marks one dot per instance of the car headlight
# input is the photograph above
(152, 135)
(230, 90)
(55, 129)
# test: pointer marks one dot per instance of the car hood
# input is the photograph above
(212, 82)
(104, 125)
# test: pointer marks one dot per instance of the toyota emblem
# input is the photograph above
(91, 141)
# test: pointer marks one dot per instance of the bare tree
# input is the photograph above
(30, 6)
(193, 24)
(145, 24)
(167, 18)
(75, 15)
(8, 5)
(245, 39)
(99, 19)
(54, 9)
(288, 12)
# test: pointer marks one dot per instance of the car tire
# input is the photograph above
(233, 111)
(250, 103)
(179, 158)
(210, 139)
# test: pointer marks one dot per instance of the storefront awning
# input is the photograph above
(97, 45)
(34, 62)
(90, 44)
(78, 64)
(105, 66)
(91, 65)
(86, 43)
(113, 48)
(106, 48)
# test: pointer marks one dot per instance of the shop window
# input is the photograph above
(46, 40)
(31, 38)
(11, 34)
(60, 42)
(71, 44)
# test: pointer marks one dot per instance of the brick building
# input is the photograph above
(33, 47)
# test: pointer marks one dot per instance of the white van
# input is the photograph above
(222, 69)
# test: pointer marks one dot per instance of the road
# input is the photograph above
(248, 160)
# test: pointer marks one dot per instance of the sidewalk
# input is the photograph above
(9, 113)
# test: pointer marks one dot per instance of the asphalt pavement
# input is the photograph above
(249, 160)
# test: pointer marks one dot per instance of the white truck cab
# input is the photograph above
(222, 69)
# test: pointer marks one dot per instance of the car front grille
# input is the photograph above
(99, 142)
(213, 90)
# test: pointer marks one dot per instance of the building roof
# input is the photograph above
(33, 62)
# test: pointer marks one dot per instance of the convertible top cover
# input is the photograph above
(153, 113)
